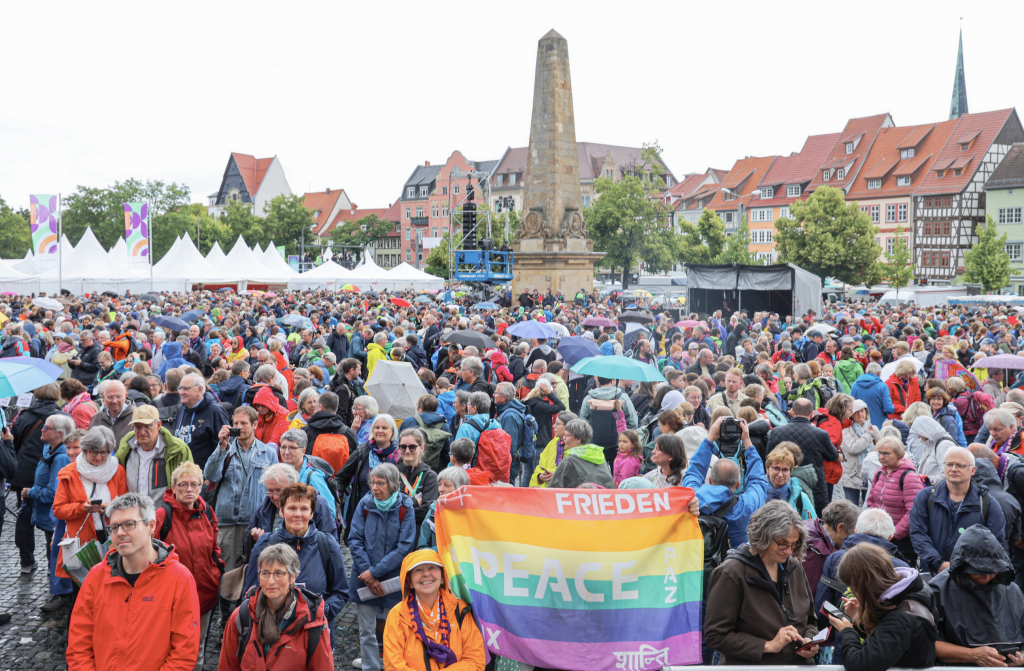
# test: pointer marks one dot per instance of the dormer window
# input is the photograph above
(826, 175)
(410, 192)
(512, 179)
(907, 153)
(840, 173)
(903, 181)
(849, 147)
(965, 146)
(874, 184)
(793, 191)
(500, 180)
(423, 191)
(767, 192)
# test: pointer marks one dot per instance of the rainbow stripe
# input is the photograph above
(575, 578)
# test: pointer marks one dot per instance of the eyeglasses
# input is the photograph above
(189, 485)
(142, 428)
(104, 453)
(785, 546)
(883, 454)
(779, 470)
(181, 388)
(127, 526)
(408, 448)
(290, 448)
(275, 575)
(378, 483)
(957, 467)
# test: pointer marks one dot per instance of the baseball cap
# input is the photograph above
(145, 414)
(787, 346)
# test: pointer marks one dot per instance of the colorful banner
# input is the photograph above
(136, 230)
(43, 224)
(946, 368)
(588, 580)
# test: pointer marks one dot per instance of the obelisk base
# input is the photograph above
(554, 265)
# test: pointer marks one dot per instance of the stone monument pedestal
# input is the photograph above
(547, 264)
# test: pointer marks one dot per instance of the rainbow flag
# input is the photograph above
(946, 368)
(578, 579)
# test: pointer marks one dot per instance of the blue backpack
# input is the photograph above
(528, 450)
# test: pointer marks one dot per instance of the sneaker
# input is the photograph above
(357, 662)
(56, 602)
(30, 568)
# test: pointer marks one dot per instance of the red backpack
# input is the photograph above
(493, 450)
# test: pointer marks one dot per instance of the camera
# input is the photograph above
(233, 432)
(730, 435)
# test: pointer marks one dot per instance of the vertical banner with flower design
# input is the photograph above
(136, 232)
(43, 225)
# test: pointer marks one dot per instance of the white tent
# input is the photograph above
(216, 254)
(272, 259)
(184, 262)
(242, 262)
(89, 268)
(30, 265)
(404, 276)
(257, 251)
(119, 255)
(328, 275)
(368, 273)
(17, 281)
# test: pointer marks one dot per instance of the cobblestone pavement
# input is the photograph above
(36, 641)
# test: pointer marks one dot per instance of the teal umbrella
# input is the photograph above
(21, 374)
(618, 368)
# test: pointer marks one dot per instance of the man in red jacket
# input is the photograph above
(138, 608)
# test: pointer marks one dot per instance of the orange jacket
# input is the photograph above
(69, 505)
(902, 399)
(119, 346)
(403, 650)
(153, 625)
(269, 427)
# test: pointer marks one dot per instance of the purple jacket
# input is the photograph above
(886, 494)
(819, 547)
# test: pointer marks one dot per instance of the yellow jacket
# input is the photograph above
(546, 461)
(374, 353)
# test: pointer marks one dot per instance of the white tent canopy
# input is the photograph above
(216, 254)
(328, 275)
(242, 262)
(89, 268)
(31, 265)
(273, 260)
(404, 276)
(17, 281)
(185, 262)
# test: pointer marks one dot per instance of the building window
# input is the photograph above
(965, 146)
(433, 211)
(512, 179)
(874, 214)
(849, 147)
(419, 256)
(410, 192)
(456, 189)
(408, 255)
(433, 232)
(728, 217)
(939, 174)
(423, 192)
(874, 184)
(784, 212)
(840, 173)
(1014, 250)
(444, 190)
(926, 229)
(408, 233)
(890, 213)
(419, 212)
(444, 210)
(863, 208)
(825, 175)
(767, 192)
(586, 200)
(793, 191)
(907, 153)
(902, 209)
(398, 228)
(500, 180)
(957, 172)
(408, 213)
(903, 181)
(761, 214)
(944, 227)
(947, 201)
(891, 244)
(1009, 215)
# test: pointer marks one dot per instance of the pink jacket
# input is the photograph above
(626, 466)
(886, 494)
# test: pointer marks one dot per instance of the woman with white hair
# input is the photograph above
(364, 411)
(858, 439)
(904, 388)
(380, 448)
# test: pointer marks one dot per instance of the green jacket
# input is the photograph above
(587, 466)
(176, 452)
(847, 371)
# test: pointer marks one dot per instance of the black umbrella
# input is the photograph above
(169, 323)
(634, 316)
(469, 339)
(149, 297)
(110, 293)
(192, 315)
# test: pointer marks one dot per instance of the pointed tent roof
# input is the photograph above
(242, 262)
(90, 261)
(404, 271)
(958, 105)
(328, 274)
(216, 254)
(184, 260)
(272, 259)
(368, 270)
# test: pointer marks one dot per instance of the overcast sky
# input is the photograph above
(354, 95)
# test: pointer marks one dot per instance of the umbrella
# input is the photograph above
(422, 299)
(824, 328)
(192, 315)
(149, 297)
(531, 329)
(446, 296)
(223, 289)
(469, 339)
(297, 320)
(396, 387)
(434, 291)
(111, 294)
(599, 321)
(689, 323)
(1007, 361)
(170, 323)
(618, 368)
(577, 347)
(634, 316)
(9, 293)
(270, 294)
(401, 302)
(486, 305)
(890, 368)
(21, 374)
(48, 303)
(349, 287)
(560, 329)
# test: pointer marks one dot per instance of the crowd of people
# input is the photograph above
(858, 475)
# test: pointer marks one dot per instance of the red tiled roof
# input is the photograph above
(802, 167)
(323, 203)
(253, 170)
(915, 136)
(927, 141)
(720, 174)
(912, 165)
(744, 177)
(853, 137)
(354, 214)
(393, 213)
(984, 127)
(961, 162)
(866, 126)
(688, 185)
(880, 169)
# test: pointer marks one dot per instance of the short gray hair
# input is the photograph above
(777, 519)
(841, 512)
(297, 436)
(462, 397)
(265, 374)
(369, 404)
(133, 500)
(580, 430)
(61, 423)
(1002, 417)
(380, 338)
(876, 522)
(281, 554)
(802, 371)
(390, 421)
(279, 471)
(307, 393)
(199, 380)
(389, 472)
(455, 475)
(472, 363)
(725, 473)
(506, 389)
(481, 401)
(873, 369)
(97, 439)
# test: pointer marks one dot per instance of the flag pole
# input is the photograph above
(60, 229)
(149, 243)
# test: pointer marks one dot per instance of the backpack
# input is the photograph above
(738, 457)
(243, 624)
(494, 447)
(436, 439)
(332, 448)
(826, 388)
(165, 528)
(646, 434)
(167, 413)
(716, 538)
(401, 515)
(528, 449)
(931, 502)
(606, 431)
(324, 467)
(775, 416)
(971, 410)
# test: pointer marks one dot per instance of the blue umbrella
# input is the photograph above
(575, 348)
(169, 323)
(192, 315)
(618, 368)
(531, 329)
(486, 305)
(446, 297)
(422, 299)
(21, 374)
(222, 289)
(297, 320)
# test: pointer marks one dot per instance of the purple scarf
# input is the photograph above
(439, 652)
(560, 445)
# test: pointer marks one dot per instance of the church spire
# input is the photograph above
(958, 106)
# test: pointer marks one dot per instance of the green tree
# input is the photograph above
(704, 242)
(239, 220)
(737, 247)
(103, 209)
(437, 258)
(987, 262)
(15, 238)
(829, 237)
(362, 233)
(287, 220)
(897, 269)
(631, 228)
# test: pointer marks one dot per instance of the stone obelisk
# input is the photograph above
(553, 252)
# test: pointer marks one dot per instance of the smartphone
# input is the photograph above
(820, 638)
(96, 502)
(233, 432)
(828, 608)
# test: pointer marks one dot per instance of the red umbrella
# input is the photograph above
(401, 302)
(689, 323)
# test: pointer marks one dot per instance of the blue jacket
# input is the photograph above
(417, 356)
(466, 430)
(268, 518)
(870, 389)
(238, 498)
(934, 532)
(713, 497)
(378, 543)
(199, 427)
(824, 593)
(172, 359)
(512, 417)
(446, 404)
(233, 389)
(331, 584)
(44, 487)
(313, 476)
(358, 347)
(428, 532)
(428, 419)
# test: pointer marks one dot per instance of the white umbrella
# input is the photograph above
(396, 388)
(560, 329)
(890, 368)
(824, 328)
(48, 303)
